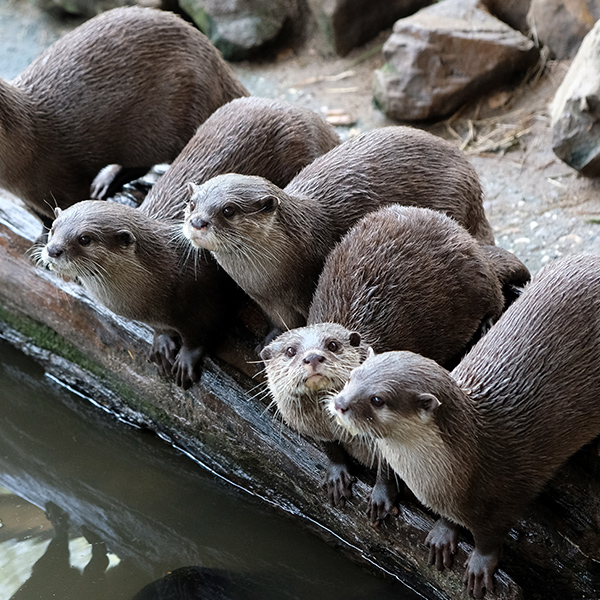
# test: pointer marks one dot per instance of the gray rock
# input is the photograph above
(560, 25)
(575, 109)
(512, 12)
(443, 56)
(239, 28)
(349, 23)
(91, 8)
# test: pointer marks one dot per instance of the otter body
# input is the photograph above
(250, 136)
(129, 86)
(274, 242)
(130, 263)
(477, 444)
(403, 278)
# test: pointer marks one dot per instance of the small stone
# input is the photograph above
(443, 56)
(512, 12)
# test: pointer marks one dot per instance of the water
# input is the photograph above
(124, 509)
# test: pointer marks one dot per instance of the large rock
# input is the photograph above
(560, 25)
(575, 109)
(240, 28)
(91, 8)
(512, 12)
(445, 55)
(350, 23)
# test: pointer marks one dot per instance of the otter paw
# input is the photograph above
(382, 502)
(187, 366)
(164, 352)
(442, 541)
(479, 574)
(339, 484)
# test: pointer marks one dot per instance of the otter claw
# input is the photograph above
(479, 574)
(186, 367)
(339, 484)
(442, 541)
(381, 502)
(164, 352)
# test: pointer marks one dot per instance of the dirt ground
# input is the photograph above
(540, 208)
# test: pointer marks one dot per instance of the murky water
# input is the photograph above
(92, 509)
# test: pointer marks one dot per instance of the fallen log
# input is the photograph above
(225, 424)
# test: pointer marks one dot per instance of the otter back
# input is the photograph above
(251, 136)
(130, 87)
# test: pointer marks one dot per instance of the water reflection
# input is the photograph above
(130, 518)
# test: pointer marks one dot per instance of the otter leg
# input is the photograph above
(481, 565)
(187, 366)
(164, 351)
(442, 541)
(338, 478)
(383, 494)
(112, 178)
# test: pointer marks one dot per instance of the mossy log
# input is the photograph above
(225, 424)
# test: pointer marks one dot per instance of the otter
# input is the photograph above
(272, 138)
(274, 242)
(250, 136)
(477, 444)
(129, 86)
(133, 265)
(403, 278)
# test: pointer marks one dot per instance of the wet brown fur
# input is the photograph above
(130, 87)
(250, 136)
(478, 444)
(276, 245)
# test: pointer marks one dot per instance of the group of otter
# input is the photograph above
(372, 260)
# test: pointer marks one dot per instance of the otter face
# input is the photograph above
(227, 212)
(382, 398)
(81, 239)
(312, 359)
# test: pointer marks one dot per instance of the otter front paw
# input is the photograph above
(382, 501)
(187, 367)
(479, 574)
(164, 352)
(442, 541)
(339, 484)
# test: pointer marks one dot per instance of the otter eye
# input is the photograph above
(333, 346)
(228, 212)
(192, 205)
(84, 240)
(377, 401)
(291, 351)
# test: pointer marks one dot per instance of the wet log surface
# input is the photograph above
(225, 424)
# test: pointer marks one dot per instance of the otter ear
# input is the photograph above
(192, 188)
(57, 212)
(125, 237)
(370, 352)
(269, 203)
(428, 402)
(266, 353)
(354, 339)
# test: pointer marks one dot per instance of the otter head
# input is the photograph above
(307, 364)
(230, 211)
(387, 396)
(93, 241)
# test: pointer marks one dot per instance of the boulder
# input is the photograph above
(443, 56)
(560, 25)
(240, 28)
(512, 12)
(575, 109)
(91, 8)
(349, 23)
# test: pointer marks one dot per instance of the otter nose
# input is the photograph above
(341, 404)
(313, 359)
(54, 251)
(198, 223)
